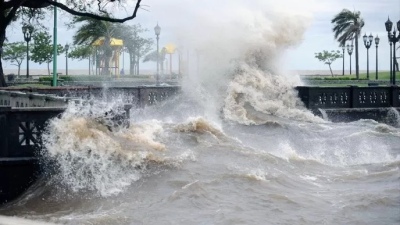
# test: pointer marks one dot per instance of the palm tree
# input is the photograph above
(91, 30)
(347, 25)
(152, 56)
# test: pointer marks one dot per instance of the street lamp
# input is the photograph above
(368, 42)
(66, 59)
(27, 30)
(376, 43)
(393, 39)
(350, 51)
(343, 48)
(157, 30)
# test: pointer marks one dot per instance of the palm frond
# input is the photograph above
(346, 25)
(152, 56)
(91, 30)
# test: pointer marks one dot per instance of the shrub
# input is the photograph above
(76, 78)
(11, 77)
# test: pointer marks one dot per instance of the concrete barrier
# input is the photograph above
(36, 100)
(22, 99)
(19, 99)
(5, 98)
(139, 96)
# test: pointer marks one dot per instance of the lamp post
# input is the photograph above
(393, 39)
(66, 59)
(343, 48)
(350, 51)
(390, 59)
(157, 30)
(368, 42)
(54, 83)
(376, 64)
(27, 30)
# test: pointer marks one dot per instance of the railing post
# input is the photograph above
(353, 96)
(394, 96)
(4, 111)
(304, 95)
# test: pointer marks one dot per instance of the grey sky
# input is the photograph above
(181, 19)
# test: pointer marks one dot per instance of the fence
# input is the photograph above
(349, 97)
(21, 99)
(137, 96)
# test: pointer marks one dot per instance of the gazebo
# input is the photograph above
(116, 45)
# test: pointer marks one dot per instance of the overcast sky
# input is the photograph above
(305, 24)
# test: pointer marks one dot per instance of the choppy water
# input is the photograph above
(237, 147)
(258, 163)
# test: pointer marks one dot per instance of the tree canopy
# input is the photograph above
(91, 30)
(328, 57)
(10, 10)
(80, 52)
(15, 52)
(74, 7)
(135, 45)
(42, 50)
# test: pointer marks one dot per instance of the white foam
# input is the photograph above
(264, 93)
(90, 157)
(230, 65)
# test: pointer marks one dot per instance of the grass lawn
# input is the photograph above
(29, 85)
(346, 80)
(383, 75)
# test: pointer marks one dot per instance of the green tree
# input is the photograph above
(328, 57)
(15, 52)
(91, 30)
(143, 46)
(135, 45)
(347, 25)
(42, 49)
(10, 10)
(81, 52)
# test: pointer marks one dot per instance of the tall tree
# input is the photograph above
(136, 45)
(10, 9)
(15, 52)
(81, 52)
(42, 49)
(347, 25)
(91, 30)
(143, 46)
